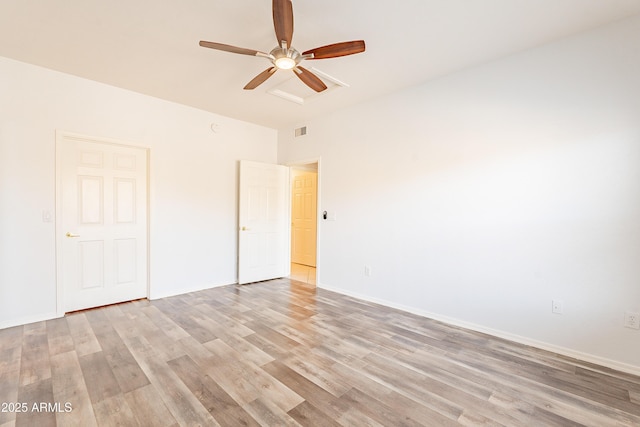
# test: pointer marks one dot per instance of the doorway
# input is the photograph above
(304, 222)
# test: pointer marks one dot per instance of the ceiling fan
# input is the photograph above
(283, 56)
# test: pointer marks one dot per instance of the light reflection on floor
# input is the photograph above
(303, 273)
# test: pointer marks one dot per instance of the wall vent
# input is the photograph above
(301, 131)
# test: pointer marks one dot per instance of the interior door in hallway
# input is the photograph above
(102, 222)
(304, 218)
(263, 221)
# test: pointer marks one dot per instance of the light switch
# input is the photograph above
(331, 216)
(47, 216)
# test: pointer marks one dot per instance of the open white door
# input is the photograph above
(263, 222)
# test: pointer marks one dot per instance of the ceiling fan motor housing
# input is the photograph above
(285, 58)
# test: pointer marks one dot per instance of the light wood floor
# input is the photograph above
(285, 353)
(303, 273)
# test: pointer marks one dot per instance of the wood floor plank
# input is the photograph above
(166, 347)
(34, 364)
(99, 378)
(223, 325)
(123, 366)
(148, 408)
(487, 378)
(623, 384)
(9, 383)
(164, 323)
(561, 380)
(248, 351)
(423, 386)
(285, 353)
(283, 343)
(251, 381)
(122, 322)
(59, 336)
(125, 369)
(114, 411)
(69, 388)
(471, 419)
(83, 337)
(10, 357)
(268, 413)
(33, 396)
(435, 366)
(318, 370)
(267, 346)
(220, 405)
(353, 417)
(550, 419)
(103, 330)
(10, 338)
(308, 415)
(437, 408)
(196, 351)
(268, 316)
(181, 402)
(316, 396)
(379, 410)
(560, 402)
(179, 311)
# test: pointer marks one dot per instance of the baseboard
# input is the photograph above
(575, 354)
(29, 319)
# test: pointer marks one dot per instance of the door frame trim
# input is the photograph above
(300, 163)
(61, 135)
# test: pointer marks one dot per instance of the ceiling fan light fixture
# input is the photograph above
(285, 59)
(283, 56)
(285, 63)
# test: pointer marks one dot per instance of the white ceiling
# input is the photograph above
(151, 46)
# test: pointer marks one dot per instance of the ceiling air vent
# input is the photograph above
(302, 131)
(293, 91)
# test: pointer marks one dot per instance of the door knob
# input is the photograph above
(245, 229)
(70, 234)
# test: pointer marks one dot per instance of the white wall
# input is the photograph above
(480, 197)
(193, 182)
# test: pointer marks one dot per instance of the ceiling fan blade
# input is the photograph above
(232, 49)
(283, 21)
(310, 79)
(337, 49)
(260, 78)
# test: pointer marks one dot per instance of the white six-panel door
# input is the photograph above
(263, 222)
(101, 222)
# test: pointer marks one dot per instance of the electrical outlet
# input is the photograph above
(632, 320)
(367, 270)
(557, 306)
